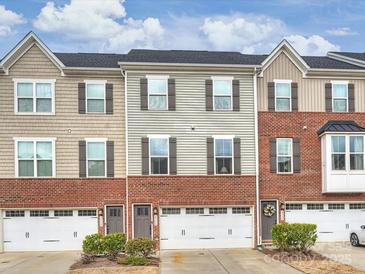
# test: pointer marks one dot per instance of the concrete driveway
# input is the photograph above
(220, 261)
(37, 262)
(343, 252)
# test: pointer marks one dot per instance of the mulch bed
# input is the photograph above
(311, 263)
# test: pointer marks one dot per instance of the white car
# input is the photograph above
(357, 236)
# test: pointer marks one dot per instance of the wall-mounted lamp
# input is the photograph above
(100, 211)
(155, 211)
(282, 206)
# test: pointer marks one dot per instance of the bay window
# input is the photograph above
(356, 153)
(347, 153)
(223, 154)
(159, 155)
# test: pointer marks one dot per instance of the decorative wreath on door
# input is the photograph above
(269, 210)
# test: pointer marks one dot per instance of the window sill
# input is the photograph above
(35, 113)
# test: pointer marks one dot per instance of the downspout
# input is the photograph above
(257, 159)
(126, 151)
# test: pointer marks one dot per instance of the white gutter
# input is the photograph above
(126, 150)
(257, 159)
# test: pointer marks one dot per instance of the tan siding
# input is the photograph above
(311, 95)
(190, 110)
(35, 65)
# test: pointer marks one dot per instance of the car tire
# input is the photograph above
(354, 240)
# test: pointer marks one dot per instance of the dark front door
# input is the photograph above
(268, 218)
(114, 219)
(142, 221)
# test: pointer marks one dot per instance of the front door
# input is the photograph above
(268, 218)
(142, 221)
(114, 219)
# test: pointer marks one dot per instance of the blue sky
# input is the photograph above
(312, 26)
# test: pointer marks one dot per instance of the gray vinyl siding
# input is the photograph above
(191, 110)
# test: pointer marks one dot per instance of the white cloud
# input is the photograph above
(344, 31)
(9, 19)
(312, 45)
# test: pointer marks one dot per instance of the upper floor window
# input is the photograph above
(35, 158)
(347, 148)
(223, 154)
(283, 95)
(34, 96)
(222, 93)
(95, 96)
(284, 155)
(157, 92)
(339, 96)
(96, 157)
(159, 155)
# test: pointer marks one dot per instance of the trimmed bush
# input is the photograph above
(93, 244)
(294, 237)
(142, 247)
(134, 260)
(114, 244)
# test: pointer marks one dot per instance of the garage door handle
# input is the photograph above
(27, 235)
(75, 234)
(207, 238)
(183, 232)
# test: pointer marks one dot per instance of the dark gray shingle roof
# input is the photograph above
(354, 55)
(324, 62)
(340, 126)
(97, 60)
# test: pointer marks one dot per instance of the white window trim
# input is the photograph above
(291, 156)
(223, 137)
(282, 81)
(222, 78)
(153, 136)
(35, 140)
(96, 140)
(347, 153)
(34, 97)
(95, 82)
(335, 82)
(166, 94)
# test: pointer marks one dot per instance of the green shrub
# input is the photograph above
(134, 260)
(114, 244)
(140, 247)
(93, 244)
(298, 237)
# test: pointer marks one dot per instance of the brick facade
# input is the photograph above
(189, 190)
(306, 185)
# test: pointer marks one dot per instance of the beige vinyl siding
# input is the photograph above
(311, 93)
(190, 110)
(35, 65)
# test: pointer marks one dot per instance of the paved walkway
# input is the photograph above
(221, 261)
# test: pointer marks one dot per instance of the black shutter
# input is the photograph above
(296, 155)
(351, 90)
(328, 94)
(110, 158)
(294, 97)
(109, 99)
(271, 96)
(273, 155)
(82, 102)
(82, 159)
(237, 155)
(172, 151)
(144, 94)
(145, 156)
(210, 156)
(236, 95)
(171, 94)
(209, 95)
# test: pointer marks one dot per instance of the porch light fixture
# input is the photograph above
(155, 211)
(100, 212)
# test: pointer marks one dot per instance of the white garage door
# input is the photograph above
(47, 230)
(334, 221)
(189, 228)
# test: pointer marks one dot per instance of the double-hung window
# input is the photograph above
(159, 154)
(284, 155)
(283, 95)
(35, 158)
(223, 154)
(34, 96)
(157, 92)
(347, 148)
(95, 96)
(96, 157)
(222, 93)
(339, 96)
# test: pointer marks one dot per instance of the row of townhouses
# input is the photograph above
(194, 149)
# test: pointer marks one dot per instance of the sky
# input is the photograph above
(313, 27)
